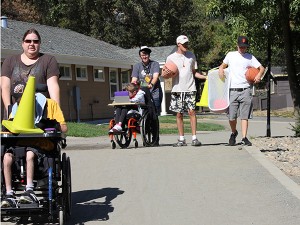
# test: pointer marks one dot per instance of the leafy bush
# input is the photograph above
(296, 128)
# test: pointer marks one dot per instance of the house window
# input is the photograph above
(125, 78)
(99, 74)
(113, 82)
(81, 73)
(65, 72)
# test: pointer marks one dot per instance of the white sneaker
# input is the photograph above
(117, 128)
(9, 201)
(28, 197)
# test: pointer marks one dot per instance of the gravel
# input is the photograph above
(284, 152)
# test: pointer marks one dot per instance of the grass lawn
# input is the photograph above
(167, 126)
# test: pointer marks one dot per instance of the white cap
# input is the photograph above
(146, 49)
(182, 39)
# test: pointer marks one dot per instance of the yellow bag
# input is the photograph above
(204, 96)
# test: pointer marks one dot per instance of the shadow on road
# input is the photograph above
(93, 205)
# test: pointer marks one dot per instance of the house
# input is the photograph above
(279, 89)
(91, 70)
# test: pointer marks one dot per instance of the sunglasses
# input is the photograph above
(34, 41)
(186, 44)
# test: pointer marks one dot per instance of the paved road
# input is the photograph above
(211, 185)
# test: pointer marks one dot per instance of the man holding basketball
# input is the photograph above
(240, 94)
(183, 97)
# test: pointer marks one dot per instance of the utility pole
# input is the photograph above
(268, 74)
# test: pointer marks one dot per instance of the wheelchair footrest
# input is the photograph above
(23, 211)
(31, 205)
(117, 132)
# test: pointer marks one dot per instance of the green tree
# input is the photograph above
(248, 17)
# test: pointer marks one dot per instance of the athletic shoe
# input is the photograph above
(245, 141)
(28, 197)
(156, 144)
(180, 143)
(196, 143)
(117, 128)
(232, 139)
(9, 201)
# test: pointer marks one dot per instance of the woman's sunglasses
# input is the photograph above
(34, 41)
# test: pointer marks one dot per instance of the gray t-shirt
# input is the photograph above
(144, 74)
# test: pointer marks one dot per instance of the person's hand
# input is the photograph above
(150, 85)
(257, 79)
(222, 75)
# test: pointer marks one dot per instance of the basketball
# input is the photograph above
(169, 70)
(251, 74)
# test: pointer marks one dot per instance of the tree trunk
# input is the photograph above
(290, 59)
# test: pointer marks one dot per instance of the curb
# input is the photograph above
(287, 182)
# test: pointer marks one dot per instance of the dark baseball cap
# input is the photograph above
(243, 41)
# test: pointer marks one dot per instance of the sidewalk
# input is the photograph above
(213, 184)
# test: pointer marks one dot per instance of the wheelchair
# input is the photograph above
(147, 125)
(52, 176)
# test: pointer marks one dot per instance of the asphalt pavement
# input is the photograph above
(213, 184)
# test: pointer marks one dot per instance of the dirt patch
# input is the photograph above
(284, 152)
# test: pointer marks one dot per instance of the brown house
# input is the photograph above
(91, 70)
(280, 92)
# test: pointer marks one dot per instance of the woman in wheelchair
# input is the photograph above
(47, 111)
(136, 95)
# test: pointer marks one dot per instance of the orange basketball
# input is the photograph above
(169, 70)
(251, 74)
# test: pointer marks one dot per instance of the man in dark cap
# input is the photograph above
(240, 92)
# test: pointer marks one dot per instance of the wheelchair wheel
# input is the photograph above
(113, 144)
(150, 130)
(66, 187)
(136, 144)
(124, 138)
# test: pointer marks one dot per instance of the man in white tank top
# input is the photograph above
(183, 96)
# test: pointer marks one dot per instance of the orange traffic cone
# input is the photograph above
(23, 121)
